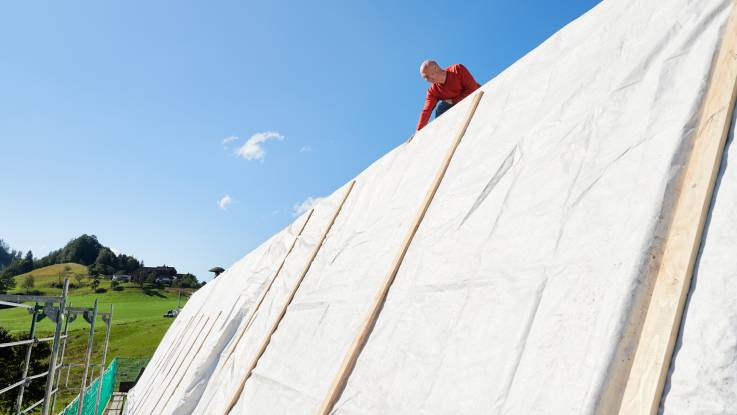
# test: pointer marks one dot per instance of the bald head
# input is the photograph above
(432, 72)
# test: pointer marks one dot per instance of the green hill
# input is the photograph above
(85, 250)
(45, 276)
(132, 304)
(138, 322)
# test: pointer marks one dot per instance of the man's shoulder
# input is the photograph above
(455, 68)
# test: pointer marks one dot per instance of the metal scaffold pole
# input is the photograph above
(60, 315)
(70, 317)
(27, 361)
(108, 323)
(90, 319)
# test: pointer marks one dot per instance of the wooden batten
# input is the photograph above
(267, 339)
(263, 294)
(357, 346)
(186, 369)
(644, 387)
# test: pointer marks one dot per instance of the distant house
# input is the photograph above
(160, 275)
(164, 280)
(122, 278)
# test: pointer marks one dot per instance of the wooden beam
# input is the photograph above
(174, 344)
(654, 351)
(272, 330)
(170, 364)
(359, 342)
(266, 291)
(263, 294)
(186, 369)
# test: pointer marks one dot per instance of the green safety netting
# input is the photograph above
(90, 396)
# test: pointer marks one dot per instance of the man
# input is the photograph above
(448, 87)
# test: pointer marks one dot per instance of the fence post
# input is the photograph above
(27, 362)
(55, 349)
(69, 319)
(108, 323)
(90, 340)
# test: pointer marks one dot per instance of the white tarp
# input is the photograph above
(519, 284)
(544, 220)
(229, 299)
(305, 353)
(244, 346)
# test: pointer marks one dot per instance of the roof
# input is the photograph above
(515, 285)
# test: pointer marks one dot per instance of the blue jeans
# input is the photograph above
(442, 107)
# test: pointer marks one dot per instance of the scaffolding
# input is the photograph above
(61, 314)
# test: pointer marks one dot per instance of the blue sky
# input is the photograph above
(114, 116)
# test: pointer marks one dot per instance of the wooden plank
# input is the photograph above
(359, 342)
(279, 268)
(176, 342)
(268, 287)
(159, 379)
(272, 330)
(266, 291)
(186, 369)
(649, 371)
(178, 363)
(170, 364)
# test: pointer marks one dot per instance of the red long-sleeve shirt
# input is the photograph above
(458, 84)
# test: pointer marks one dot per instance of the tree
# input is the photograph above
(144, 275)
(100, 269)
(106, 257)
(105, 263)
(92, 270)
(95, 283)
(27, 263)
(83, 250)
(79, 278)
(17, 267)
(127, 264)
(186, 281)
(7, 257)
(6, 254)
(23, 265)
(62, 275)
(6, 283)
(29, 282)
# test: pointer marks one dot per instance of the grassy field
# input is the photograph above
(132, 304)
(138, 322)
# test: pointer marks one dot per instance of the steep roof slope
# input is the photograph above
(528, 269)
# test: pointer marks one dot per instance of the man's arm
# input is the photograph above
(430, 102)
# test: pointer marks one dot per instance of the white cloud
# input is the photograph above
(252, 149)
(309, 203)
(228, 140)
(225, 202)
(305, 149)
